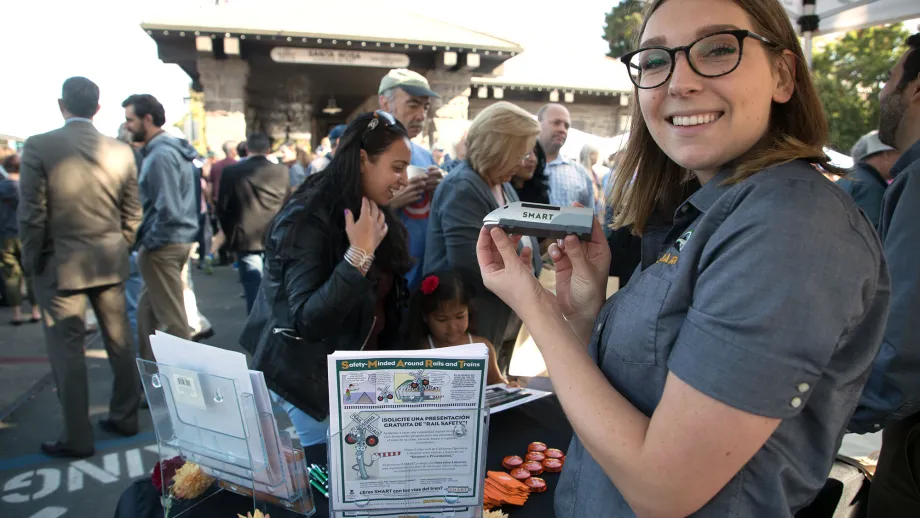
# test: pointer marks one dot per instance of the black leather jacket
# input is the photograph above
(312, 302)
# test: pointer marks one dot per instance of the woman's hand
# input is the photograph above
(368, 232)
(581, 274)
(506, 274)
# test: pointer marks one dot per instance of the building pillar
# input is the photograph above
(451, 117)
(224, 82)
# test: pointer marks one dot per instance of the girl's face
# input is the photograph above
(387, 173)
(720, 118)
(448, 324)
(527, 167)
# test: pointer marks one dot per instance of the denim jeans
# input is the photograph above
(133, 287)
(309, 430)
(250, 275)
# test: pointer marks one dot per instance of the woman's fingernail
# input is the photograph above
(560, 242)
(347, 211)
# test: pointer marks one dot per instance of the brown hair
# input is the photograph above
(798, 130)
(495, 136)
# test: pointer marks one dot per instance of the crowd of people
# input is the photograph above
(763, 313)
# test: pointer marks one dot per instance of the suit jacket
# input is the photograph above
(79, 209)
(460, 202)
(250, 194)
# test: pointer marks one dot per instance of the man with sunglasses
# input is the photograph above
(407, 96)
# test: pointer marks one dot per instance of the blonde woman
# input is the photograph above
(500, 138)
(588, 159)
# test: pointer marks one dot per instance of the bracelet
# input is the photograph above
(359, 259)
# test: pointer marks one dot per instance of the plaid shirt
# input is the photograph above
(568, 183)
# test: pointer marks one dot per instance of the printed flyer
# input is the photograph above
(407, 428)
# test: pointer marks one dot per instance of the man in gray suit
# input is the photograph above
(78, 215)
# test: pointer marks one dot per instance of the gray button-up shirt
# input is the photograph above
(768, 295)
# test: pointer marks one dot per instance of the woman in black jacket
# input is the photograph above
(529, 180)
(335, 258)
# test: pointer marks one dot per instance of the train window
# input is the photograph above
(539, 206)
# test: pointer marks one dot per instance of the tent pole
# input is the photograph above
(809, 24)
(806, 48)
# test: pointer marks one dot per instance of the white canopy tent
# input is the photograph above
(827, 16)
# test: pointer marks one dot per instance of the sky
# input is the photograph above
(47, 41)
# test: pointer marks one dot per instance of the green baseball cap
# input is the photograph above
(412, 82)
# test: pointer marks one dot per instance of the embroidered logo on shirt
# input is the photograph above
(669, 258)
(682, 240)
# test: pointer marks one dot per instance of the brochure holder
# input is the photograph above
(358, 437)
(205, 419)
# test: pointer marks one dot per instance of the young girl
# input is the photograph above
(719, 381)
(439, 316)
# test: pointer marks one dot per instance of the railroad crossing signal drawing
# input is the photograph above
(363, 435)
(385, 394)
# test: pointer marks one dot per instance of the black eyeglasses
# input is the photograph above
(713, 55)
(380, 117)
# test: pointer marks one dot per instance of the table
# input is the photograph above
(509, 434)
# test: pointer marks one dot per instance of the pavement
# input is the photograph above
(35, 486)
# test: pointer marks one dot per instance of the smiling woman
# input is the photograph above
(335, 261)
(720, 379)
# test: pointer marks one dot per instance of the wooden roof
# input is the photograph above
(357, 20)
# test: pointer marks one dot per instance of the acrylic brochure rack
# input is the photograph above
(409, 475)
(231, 435)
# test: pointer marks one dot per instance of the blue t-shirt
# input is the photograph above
(415, 217)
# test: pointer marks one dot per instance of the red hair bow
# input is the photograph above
(429, 284)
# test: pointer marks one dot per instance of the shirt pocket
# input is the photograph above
(630, 332)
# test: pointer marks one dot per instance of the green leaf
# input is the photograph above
(621, 26)
(849, 74)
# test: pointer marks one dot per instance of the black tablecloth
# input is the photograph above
(509, 434)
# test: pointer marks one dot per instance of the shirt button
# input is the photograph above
(684, 209)
(796, 402)
(803, 387)
(876, 426)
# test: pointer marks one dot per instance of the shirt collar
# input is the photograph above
(77, 119)
(559, 160)
(909, 157)
(707, 195)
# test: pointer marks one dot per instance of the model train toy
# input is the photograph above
(545, 221)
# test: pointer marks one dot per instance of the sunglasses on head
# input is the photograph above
(380, 117)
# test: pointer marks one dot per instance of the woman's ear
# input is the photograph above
(364, 161)
(785, 77)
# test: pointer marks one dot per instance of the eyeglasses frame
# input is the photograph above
(740, 34)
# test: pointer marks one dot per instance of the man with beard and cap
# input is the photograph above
(78, 213)
(891, 398)
(170, 198)
(407, 95)
(568, 181)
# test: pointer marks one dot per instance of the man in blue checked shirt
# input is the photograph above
(568, 181)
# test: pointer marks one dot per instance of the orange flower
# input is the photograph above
(190, 482)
